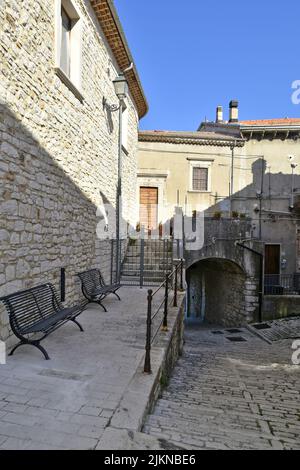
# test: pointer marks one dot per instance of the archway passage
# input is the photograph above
(216, 292)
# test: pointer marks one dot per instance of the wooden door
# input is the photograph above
(272, 259)
(148, 208)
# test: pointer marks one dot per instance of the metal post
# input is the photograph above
(147, 365)
(111, 262)
(261, 289)
(261, 196)
(293, 166)
(181, 274)
(175, 287)
(231, 178)
(119, 193)
(142, 262)
(62, 284)
(165, 260)
(165, 320)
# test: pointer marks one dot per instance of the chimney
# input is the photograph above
(233, 111)
(219, 115)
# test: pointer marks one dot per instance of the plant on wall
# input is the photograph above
(217, 215)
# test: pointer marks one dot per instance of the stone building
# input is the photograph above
(58, 142)
(243, 176)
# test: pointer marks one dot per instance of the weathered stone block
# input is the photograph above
(4, 235)
(22, 268)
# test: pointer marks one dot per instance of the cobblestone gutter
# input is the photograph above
(143, 391)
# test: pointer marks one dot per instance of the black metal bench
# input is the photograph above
(37, 312)
(94, 288)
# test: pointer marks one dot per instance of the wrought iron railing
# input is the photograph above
(282, 284)
(146, 262)
(170, 284)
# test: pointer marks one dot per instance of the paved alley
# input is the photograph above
(68, 402)
(230, 395)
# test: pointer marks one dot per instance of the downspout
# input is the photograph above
(261, 196)
(231, 175)
(261, 277)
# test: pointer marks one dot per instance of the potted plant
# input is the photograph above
(217, 215)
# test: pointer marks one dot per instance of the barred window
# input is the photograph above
(200, 179)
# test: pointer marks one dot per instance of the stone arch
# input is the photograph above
(219, 291)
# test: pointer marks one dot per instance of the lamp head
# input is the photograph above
(121, 86)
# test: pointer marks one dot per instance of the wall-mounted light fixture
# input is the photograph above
(121, 90)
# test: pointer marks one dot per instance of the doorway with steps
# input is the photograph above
(147, 261)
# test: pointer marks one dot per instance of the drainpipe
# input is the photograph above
(293, 166)
(261, 196)
(231, 176)
(261, 277)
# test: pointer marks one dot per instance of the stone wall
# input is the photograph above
(56, 152)
(223, 279)
(221, 293)
(170, 348)
(280, 306)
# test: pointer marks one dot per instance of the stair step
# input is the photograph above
(158, 265)
(157, 261)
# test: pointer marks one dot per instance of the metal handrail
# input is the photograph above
(282, 284)
(163, 325)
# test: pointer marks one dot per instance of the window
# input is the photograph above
(68, 45)
(200, 179)
(200, 175)
(65, 47)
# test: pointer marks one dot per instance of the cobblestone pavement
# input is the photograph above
(67, 402)
(225, 395)
(275, 330)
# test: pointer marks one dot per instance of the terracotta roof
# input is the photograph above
(187, 137)
(111, 27)
(272, 122)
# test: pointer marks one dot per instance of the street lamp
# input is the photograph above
(121, 90)
(121, 87)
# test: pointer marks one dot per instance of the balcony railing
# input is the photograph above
(282, 284)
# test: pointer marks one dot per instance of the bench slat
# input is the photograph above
(94, 287)
(37, 310)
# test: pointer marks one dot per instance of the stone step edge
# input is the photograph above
(143, 389)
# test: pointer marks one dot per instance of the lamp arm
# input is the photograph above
(110, 107)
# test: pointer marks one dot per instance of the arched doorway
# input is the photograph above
(216, 292)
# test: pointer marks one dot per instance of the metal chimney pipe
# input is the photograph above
(233, 111)
(219, 114)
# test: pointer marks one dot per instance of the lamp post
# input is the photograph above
(121, 90)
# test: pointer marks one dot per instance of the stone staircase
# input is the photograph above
(157, 255)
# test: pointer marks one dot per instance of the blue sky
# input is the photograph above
(193, 55)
